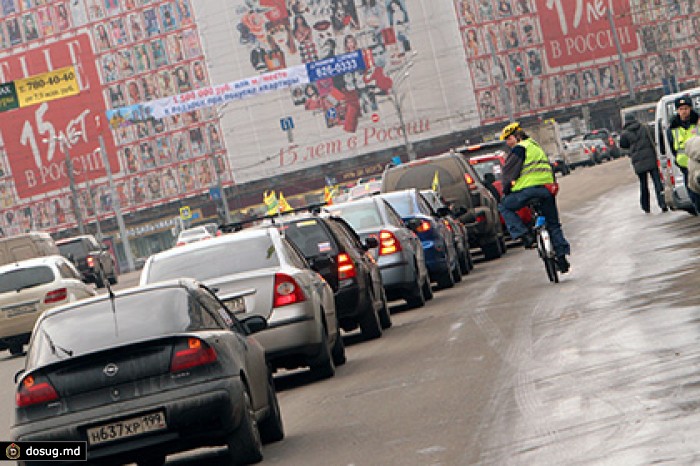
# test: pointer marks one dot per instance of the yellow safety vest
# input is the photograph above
(537, 170)
(680, 137)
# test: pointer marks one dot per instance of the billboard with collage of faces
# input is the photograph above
(125, 52)
(551, 54)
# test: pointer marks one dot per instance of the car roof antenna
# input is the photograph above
(108, 285)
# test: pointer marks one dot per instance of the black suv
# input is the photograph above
(606, 136)
(335, 251)
(87, 254)
(462, 190)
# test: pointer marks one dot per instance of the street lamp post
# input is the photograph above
(219, 183)
(71, 179)
(397, 101)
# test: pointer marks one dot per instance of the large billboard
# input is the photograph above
(411, 74)
(532, 56)
(124, 52)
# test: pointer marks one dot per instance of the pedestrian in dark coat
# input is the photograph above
(642, 151)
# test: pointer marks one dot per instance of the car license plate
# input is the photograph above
(127, 428)
(19, 310)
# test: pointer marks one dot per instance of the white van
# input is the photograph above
(27, 246)
(675, 192)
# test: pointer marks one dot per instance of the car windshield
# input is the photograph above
(360, 216)
(309, 236)
(216, 260)
(193, 232)
(74, 248)
(18, 279)
(134, 317)
(401, 202)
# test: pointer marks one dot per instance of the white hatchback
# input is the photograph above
(194, 234)
(29, 287)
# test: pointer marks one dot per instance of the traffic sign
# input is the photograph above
(286, 123)
(375, 117)
(214, 194)
(185, 213)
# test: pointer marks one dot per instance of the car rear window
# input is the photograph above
(215, 260)
(421, 176)
(401, 202)
(310, 237)
(360, 216)
(18, 279)
(74, 248)
(134, 317)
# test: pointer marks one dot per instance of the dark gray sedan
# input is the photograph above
(399, 254)
(147, 372)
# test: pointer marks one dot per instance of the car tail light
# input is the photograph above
(470, 181)
(604, 149)
(56, 295)
(32, 392)
(218, 233)
(586, 151)
(388, 244)
(346, 268)
(447, 224)
(287, 291)
(91, 261)
(195, 353)
(424, 226)
(180, 243)
(481, 218)
(611, 142)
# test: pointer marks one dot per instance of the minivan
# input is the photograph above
(675, 192)
(27, 246)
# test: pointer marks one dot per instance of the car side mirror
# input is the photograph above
(444, 211)
(413, 223)
(371, 242)
(466, 217)
(319, 262)
(254, 324)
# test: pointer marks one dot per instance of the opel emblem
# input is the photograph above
(110, 369)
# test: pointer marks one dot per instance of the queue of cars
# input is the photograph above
(187, 358)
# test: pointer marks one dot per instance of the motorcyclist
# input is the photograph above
(527, 174)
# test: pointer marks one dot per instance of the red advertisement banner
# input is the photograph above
(36, 136)
(578, 31)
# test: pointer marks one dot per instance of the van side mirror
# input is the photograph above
(371, 242)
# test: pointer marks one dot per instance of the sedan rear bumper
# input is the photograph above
(196, 415)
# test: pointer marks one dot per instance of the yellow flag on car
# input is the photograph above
(283, 204)
(436, 183)
(270, 200)
(328, 194)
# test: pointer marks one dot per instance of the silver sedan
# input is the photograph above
(275, 281)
